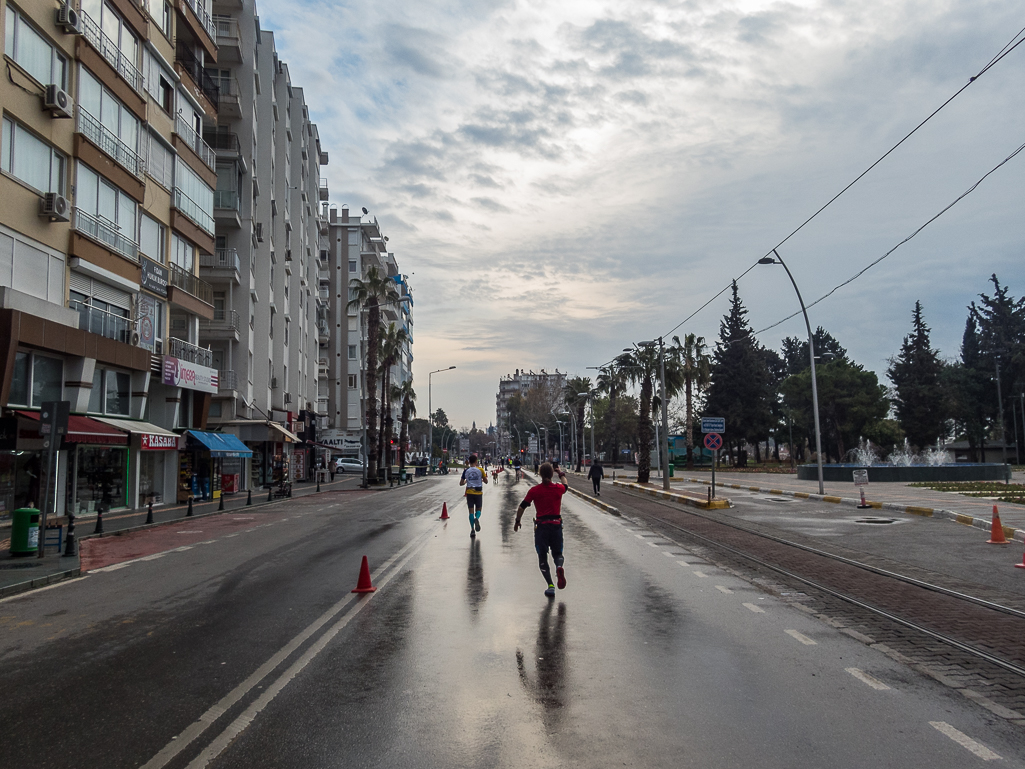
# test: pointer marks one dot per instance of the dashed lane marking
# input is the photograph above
(865, 678)
(965, 741)
(725, 590)
(152, 557)
(700, 574)
(755, 609)
(639, 536)
(667, 554)
(800, 637)
(654, 544)
(116, 566)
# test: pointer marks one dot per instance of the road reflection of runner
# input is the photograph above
(476, 588)
(548, 688)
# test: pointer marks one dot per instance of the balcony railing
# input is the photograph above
(224, 259)
(223, 320)
(227, 30)
(324, 194)
(106, 232)
(106, 324)
(108, 141)
(193, 210)
(204, 18)
(224, 142)
(179, 348)
(124, 66)
(227, 380)
(194, 68)
(193, 139)
(190, 284)
(226, 199)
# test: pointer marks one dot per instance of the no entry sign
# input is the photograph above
(713, 441)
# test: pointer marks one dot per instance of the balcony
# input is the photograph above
(229, 41)
(324, 194)
(194, 211)
(323, 333)
(196, 143)
(224, 143)
(93, 130)
(106, 324)
(224, 263)
(203, 17)
(108, 49)
(226, 208)
(179, 348)
(230, 105)
(227, 381)
(190, 65)
(225, 325)
(106, 233)
(190, 284)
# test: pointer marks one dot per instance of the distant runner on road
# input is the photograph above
(473, 479)
(547, 500)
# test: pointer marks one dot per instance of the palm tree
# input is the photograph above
(392, 342)
(612, 381)
(405, 394)
(577, 402)
(697, 374)
(369, 294)
(640, 366)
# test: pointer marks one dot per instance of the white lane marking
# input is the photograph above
(965, 741)
(215, 711)
(229, 536)
(207, 542)
(801, 637)
(667, 554)
(755, 609)
(654, 544)
(116, 566)
(152, 557)
(722, 589)
(240, 724)
(700, 574)
(28, 593)
(197, 531)
(865, 678)
(181, 549)
(639, 536)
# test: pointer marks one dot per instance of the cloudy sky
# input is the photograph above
(563, 178)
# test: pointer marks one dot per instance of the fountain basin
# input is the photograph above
(963, 471)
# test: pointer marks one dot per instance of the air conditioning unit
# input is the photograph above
(55, 207)
(58, 102)
(69, 20)
(259, 232)
(288, 398)
(274, 383)
(135, 338)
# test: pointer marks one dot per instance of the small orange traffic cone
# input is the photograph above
(444, 511)
(364, 585)
(996, 532)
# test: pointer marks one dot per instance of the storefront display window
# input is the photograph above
(100, 478)
(36, 374)
(151, 475)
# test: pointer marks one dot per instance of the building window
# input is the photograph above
(193, 197)
(111, 393)
(352, 381)
(152, 238)
(352, 265)
(110, 214)
(183, 253)
(352, 352)
(215, 409)
(32, 52)
(113, 127)
(36, 379)
(30, 159)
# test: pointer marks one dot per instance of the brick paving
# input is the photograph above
(999, 690)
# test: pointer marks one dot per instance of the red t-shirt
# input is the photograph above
(547, 500)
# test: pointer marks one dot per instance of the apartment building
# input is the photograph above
(120, 269)
(352, 246)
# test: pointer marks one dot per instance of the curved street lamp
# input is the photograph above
(430, 412)
(811, 355)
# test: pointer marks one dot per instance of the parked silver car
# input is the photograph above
(348, 465)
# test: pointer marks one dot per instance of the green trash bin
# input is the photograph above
(25, 531)
(672, 467)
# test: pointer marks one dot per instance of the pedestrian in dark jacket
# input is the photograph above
(595, 474)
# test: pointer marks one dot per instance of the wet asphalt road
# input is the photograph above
(247, 650)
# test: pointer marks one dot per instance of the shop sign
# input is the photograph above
(152, 442)
(146, 311)
(181, 373)
(337, 439)
(154, 277)
(299, 466)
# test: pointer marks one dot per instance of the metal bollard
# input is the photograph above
(249, 499)
(70, 545)
(270, 493)
(99, 522)
(149, 514)
(221, 506)
(189, 511)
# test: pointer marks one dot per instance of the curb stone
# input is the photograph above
(33, 584)
(715, 504)
(926, 512)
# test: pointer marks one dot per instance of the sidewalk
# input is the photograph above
(891, 496)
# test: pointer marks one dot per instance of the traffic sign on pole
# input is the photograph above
(713, 424)
(713, 441)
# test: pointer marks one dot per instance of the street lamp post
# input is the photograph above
(562, 452)
(663, 439)
(811, 356)
(430, 415)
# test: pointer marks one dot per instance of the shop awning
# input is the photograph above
(288, 435)
(86, 430)
(220, 444)
(275, 432)
(153, 437)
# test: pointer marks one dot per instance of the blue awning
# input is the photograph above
(220, 444)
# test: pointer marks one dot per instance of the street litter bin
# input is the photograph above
(402, 475)
(25, 531)
(672, 468)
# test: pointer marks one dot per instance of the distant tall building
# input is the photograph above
(518, 384)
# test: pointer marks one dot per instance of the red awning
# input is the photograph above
(86, 430)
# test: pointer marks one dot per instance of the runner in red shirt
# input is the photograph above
(547, 500)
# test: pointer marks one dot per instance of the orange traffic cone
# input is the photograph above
(996, 532)
(1020, 565)
(364, 585)
(444, 511)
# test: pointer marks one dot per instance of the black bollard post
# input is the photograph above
(249, 499)
(189, 512)
(318, 481)
(70, 545)
(221, 505)
(149, 513)
(99, 522)
(289, 494)
(270, 493)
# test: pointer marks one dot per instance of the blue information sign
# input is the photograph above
(713, 424)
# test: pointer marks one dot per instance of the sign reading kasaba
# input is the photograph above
(181, 373)
(152, 442)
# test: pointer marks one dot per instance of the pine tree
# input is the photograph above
(739, 390)
(916, 373)
(969, 389)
